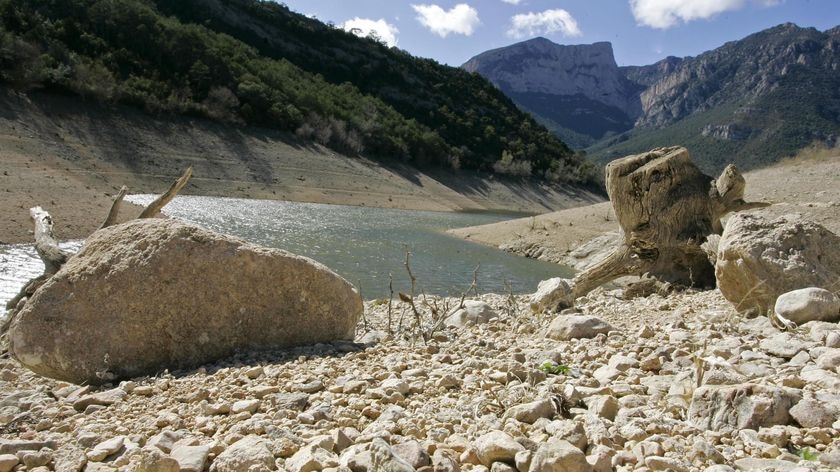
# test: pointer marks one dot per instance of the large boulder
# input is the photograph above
(157, 294)
(759, 259)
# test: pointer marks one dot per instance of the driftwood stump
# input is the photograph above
(667, 209)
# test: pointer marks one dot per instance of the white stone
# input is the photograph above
(808, 304)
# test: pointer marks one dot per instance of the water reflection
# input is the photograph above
(364, 245)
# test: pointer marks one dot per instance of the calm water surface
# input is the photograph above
(362, 244)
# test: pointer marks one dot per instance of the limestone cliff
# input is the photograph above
(570, 88)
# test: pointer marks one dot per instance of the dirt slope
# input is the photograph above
(70, 156)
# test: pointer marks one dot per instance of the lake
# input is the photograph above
(365, 245)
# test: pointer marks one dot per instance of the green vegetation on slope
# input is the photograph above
(352, 94)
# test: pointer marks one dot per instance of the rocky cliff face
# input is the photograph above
(579, 88)
(750, 101)
(738, 71)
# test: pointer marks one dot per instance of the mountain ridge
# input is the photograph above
(752, 101)
(542, 77)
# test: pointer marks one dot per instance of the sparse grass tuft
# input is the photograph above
(555, 369)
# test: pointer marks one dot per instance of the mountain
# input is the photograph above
(751, 101)
(577, 91)
(256, 63)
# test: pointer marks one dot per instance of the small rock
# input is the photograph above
(808, 304)
(310, 459)
(605, 406)
(385, 460)
(564, 328)
(664, 463)
(154, 460)
(191, 458)
(249, 453)
(106, 398)
(8, 462)
(413, 453)
(254, 372)
(531, 412)
(813, 414)
(473, 312)
(251, 406)
(551, 295)
(496, 446)
(557, 455)
(106, 448)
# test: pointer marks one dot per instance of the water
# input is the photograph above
(362, 244)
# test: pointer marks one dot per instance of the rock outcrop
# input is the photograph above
(576, 87)
(759, 259)
(154, 294)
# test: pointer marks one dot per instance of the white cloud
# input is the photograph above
(545, 22)
(365, 26)
(513, 2)
(461, 19)
(664, 14)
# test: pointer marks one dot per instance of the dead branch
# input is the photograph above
(115, 208)
(154, 208)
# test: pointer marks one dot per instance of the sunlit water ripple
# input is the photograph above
(364, 245)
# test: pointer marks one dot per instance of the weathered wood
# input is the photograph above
(45, 243)
(666, 208)
(114, 213)
(154, 208)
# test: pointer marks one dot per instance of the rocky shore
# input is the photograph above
(681, 383)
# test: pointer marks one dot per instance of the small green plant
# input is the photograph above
(555, 369)
(807, 454)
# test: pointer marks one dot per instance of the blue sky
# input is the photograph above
(641, 31)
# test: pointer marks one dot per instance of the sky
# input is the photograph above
(641, 31)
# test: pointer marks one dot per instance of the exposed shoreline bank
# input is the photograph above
(71, 160)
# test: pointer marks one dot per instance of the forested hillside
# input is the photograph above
(249, 62)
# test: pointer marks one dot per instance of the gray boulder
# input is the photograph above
(759, 259)
(157, 294)
(808, 304)
(744, 406)
(472, 313)
(564, 328)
